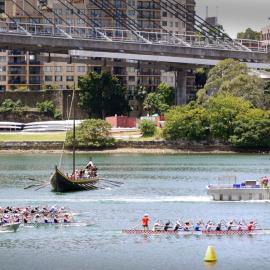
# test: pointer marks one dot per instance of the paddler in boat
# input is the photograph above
(251, 226)
(167, 226)
(17, 218)
(46, 219)
(145, 222)
(157, 226)
(209, 226)
(6, 219)
(55, 219)
(177, 226)
(187, 226)
(197, 227)
(230, 225)
(218, 228)
(66, 218)
(37, 218)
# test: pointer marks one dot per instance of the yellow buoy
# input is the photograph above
(210, 255)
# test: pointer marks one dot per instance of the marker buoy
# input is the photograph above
(210, 255)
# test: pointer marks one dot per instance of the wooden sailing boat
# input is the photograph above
(61, 182)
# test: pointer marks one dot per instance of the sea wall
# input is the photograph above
(151, 145)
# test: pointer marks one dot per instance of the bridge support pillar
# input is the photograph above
(181, 87)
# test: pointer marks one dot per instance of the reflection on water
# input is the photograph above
(168, 187)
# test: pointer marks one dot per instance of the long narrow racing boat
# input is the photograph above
(11, 227)
(212, 232)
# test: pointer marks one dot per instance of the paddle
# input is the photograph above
(43, 186)
(112, 184)
(110, 181)
(31, 186)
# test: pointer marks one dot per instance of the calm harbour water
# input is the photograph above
(165, 186)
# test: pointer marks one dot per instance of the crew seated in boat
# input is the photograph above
(66, 218)
(46, 220)
(187, 226)
(177, 226)
(16, 218)
(55, 219)
(157, 226)
(37, 218)
(6, 219)
(230, 225)
(197, 227)
(218, 227)
(167, 226)
(251, 226)
(209, 226)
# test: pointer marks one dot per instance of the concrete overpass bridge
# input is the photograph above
(80, 43)
(126, 44)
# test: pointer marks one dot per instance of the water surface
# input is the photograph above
(164, 186)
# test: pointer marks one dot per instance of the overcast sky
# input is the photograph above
(237, 15)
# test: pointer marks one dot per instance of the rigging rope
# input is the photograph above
(69, 115)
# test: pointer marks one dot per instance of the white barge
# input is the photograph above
(248, 190)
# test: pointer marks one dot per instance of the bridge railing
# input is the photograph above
(253, 45)
(123, 35)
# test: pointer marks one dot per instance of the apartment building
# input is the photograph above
(24, 70)
(265, 36)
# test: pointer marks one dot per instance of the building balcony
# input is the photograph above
(17, 72)
(17, 81)
(17, 62)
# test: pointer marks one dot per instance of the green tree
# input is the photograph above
(250, 88)
(154, 103)
(102, 95)
(230, 77)
(147, 127)
(186, 122)
(8, 105)
(141, 94)
(222, 111)
(249, 34)
(167, 94)
(92, 133)
(48, 108)
(252, 129)
(225, 70)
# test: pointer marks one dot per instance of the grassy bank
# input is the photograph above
(28, 137)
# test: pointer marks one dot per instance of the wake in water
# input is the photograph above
(123, 199)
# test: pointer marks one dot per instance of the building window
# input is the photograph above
(70, 78)
(48, 78)
(48, 69)
(81, 68)
(164, 23)
(70, 68)
(2, 78)
(58, 69)
(131, 69)
(2, 68)
(131, 78)
(58, 78)
(164, 14)
(3, 59)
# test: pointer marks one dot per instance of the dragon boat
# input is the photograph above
(10, 227)
(203, 232)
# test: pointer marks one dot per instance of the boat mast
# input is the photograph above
(74, 133)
